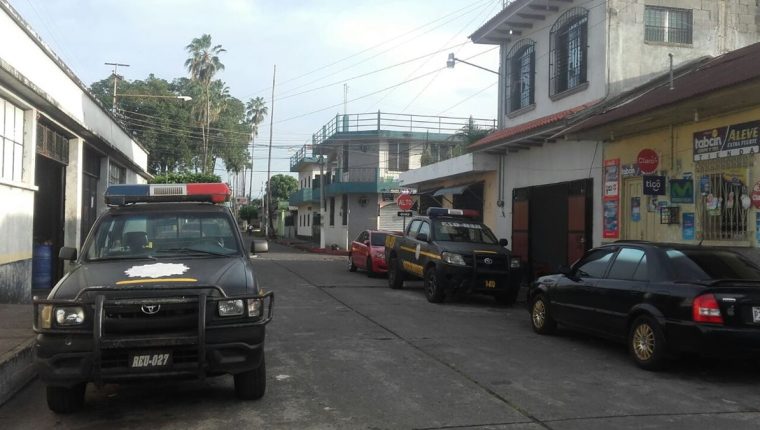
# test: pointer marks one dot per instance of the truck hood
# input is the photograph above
(232, 274)
(465, 248)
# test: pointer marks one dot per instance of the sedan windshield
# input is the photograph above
(462, 231)
(129, 236)
(695, 264)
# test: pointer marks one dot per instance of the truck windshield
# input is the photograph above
(126, 236)
(463, 231)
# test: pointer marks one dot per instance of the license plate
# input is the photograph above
(152, 360)
(756, 314)
(490, 283)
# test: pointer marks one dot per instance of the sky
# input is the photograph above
(317, 46)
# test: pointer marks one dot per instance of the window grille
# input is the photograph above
(398, 157)
(568, 51)
(671, 25)
(117, 174)
(720, 206)
(521, 66)
(11, 142)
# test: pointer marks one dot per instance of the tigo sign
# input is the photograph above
(654, 185)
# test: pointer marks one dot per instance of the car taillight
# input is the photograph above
(705, 309)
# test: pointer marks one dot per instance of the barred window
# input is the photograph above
(671, 25)
(521, 66)
(117, 174)
(398, 157)
(568, 51)
(723, 201)
(11, 142)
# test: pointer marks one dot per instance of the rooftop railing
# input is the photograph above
(383, 121)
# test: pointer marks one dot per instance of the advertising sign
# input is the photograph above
(756, 195)
(630, 170)
(737, 139)
(654, 185)
(635, 209)
(687, 229)
(648, 161)
(681, 191)
(611, 199)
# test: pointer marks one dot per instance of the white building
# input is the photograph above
(363, 156)
(558, 60)
(60, 149)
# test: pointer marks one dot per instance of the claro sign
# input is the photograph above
(729, 141)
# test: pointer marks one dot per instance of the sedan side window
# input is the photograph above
(626, 263)
(594, 264)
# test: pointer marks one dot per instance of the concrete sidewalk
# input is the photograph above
(16, 341)
(309, 247)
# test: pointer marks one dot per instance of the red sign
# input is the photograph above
(648, 161)
(755, 196)
(405, 202)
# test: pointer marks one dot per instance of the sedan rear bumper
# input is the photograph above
(714, 340)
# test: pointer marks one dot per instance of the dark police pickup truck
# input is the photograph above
(163, 288)
(451, 251)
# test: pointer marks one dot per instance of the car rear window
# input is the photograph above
(696, 264)
(378, 239)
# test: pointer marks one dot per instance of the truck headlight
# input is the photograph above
(45, 316)
(230, 308)
(254, 308)
(69, 315)
(451, 258)
(514, 263)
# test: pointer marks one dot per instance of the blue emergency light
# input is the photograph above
(437, 212)
(118, 195)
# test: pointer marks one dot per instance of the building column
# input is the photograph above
(73, 205)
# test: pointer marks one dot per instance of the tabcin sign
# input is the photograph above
(647, 161)
(737, 139)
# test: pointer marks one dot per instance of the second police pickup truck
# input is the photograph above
(451, 251)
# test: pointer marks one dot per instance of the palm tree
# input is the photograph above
(203, 64)
(255, 111)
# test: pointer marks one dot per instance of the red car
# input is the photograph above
(368, 252)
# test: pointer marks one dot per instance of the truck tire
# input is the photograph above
(395, 275)
(252, 385)
(433, 289)
(65, 400)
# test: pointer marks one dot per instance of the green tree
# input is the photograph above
(185, 178)
(281, 187)
(255, 111)
(203, 64)
(249, 213)
(469, 134)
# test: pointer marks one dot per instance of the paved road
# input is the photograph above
(345, 351)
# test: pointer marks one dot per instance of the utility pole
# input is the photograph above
(345, 99)
(115, 80)
(322, 204)
(269, 160)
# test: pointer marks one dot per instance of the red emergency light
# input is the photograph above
(143, 193)
(438, 212)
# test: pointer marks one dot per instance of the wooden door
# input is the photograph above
(520, 224)
(576, 227)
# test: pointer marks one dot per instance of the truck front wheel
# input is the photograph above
(252, 385)
(433, 289)
(65, 400)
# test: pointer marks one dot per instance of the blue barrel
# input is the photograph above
(42, 267)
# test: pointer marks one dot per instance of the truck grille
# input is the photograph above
(142, 318)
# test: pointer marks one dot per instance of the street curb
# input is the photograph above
(16, 369)
(310, 248)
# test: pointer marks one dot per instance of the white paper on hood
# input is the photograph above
(156, 270)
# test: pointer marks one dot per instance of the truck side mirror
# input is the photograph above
(67, 253)
(259, 245)
(422, 237)
(503, 242)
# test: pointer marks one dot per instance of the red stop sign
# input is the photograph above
(405, 202)
(648, 161)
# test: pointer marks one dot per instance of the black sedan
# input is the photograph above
(661, 299)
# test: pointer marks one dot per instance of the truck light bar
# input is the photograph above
(123, 194)
(436, 212)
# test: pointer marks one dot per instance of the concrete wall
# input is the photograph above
(553, 163)
(37, 64)
(719, 26)
(362, 213)
(16, 247)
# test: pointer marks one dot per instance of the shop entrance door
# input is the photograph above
(637, 221)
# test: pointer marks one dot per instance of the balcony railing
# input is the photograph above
(382, 121)
(362, 180)
(306, 153)
(304, 195)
